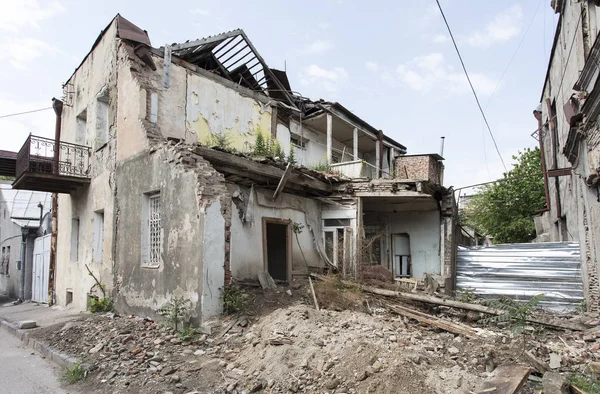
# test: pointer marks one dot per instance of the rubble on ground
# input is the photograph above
(295, 348)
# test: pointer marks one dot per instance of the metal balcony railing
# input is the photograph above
(41, 155)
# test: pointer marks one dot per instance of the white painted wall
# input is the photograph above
(214, 260)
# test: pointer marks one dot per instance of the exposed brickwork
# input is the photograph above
(419, 168)
(593, 286)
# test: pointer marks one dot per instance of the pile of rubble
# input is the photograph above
(299, 349)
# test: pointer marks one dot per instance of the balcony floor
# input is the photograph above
(49, 182)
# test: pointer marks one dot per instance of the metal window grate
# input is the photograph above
(154, 233)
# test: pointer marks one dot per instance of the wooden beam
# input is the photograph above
(282, 181)
(264, 170)
(507, 379)
(559, 172)
(435, 321)
(355, 143)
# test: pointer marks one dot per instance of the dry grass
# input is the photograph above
(334, 295)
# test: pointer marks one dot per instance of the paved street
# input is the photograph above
(25, 373)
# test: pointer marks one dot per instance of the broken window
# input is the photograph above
(298, 141)
(98, 236)
(151, 231)
(81, 129)
(74, 239)
(102, 121)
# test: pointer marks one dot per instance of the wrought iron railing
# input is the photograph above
(44, 156)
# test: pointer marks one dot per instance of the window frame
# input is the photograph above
(150, 258)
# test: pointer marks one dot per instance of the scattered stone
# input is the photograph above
(555, 360)
(136, 350)
(555, 383)
(26, 324)
(289, 292)
(332, 384)
(167, 371)
(453, 350)
(96, 348)
(175, 378)
(393, 338)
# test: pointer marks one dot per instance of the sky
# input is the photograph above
(391, 63)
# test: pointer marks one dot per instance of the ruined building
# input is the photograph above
(163, 190)
(569, 138)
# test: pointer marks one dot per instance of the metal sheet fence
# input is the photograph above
(520, 271)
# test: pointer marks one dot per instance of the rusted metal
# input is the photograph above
(560, 172)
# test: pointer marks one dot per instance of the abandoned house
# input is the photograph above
(162, 190)
(24, 242)
(569, 136)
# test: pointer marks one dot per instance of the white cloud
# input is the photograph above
(372, 66)
(329, 79)
(431, 73)
(441, 38)
(21, 51)
(26, 13)
(317, 48)
(200, 11)
(504, 27)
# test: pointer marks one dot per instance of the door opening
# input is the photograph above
(277, 248)
(401, 252)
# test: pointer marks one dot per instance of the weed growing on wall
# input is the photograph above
(233, 299)
(220, 140)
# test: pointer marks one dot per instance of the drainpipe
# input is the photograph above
(537, 113)
(58, 107)
(23, 255)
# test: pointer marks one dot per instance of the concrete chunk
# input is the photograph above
(26, 324)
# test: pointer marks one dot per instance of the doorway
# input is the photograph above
(277, 248)
(401, 256)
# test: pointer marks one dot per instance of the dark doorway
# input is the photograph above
(277, 250)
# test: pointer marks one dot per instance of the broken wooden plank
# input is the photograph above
(266, 281)
(312, 289)
(283, 180)
(507, 379)
(443, 324)
(280, 341)
(562, 324)
(536, 362)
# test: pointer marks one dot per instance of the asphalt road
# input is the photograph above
(22, 372)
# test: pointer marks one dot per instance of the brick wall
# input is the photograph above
(419, 168)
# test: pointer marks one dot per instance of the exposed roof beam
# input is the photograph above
(207, 40)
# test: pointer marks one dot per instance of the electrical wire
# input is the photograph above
(470, 83)
(26, 112)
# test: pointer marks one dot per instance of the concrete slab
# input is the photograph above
(43, 315)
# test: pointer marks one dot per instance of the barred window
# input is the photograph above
(151, 231)
(154, 228)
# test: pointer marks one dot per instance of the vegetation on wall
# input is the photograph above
(506, 209)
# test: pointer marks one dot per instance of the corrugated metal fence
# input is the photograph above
(520, 271)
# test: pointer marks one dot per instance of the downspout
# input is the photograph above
(537, 113)
(23, 254)
(58, 107)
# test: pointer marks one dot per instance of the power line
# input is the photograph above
(470, 83)
(26, 112)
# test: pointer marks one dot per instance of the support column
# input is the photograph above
(392, 162)
(377, 159)
(355, 144)
(329, 138)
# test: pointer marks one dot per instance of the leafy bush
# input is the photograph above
(220, 140)
(467, 294)
(292, 156)
(187, 333)
(96, 305)
(176, 311)
(74, 374)
(515, 313)
(233, 299)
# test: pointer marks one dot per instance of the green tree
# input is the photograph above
(505, 209)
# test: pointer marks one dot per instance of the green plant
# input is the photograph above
(220, 140)
(467, 294)
(292, 156)
(175, 311)
(581, 307)
(96, 304)
(261, 146)
(74, 373)
(322, 167)
(585, 383)
(278, 152)
(187, 332)
(233, 299)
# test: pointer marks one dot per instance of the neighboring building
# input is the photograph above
(469, 236)
(157, 200)
(569, 138)
(20, 216)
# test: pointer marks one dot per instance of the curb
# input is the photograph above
(61, 359)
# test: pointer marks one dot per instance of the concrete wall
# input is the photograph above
(142, 290)
(10, 236)
(423, 228)
(95, 77)
(247, 236)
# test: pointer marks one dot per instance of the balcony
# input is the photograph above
(44, 165)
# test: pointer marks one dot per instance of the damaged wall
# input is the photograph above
(193, 234)
(246, 235)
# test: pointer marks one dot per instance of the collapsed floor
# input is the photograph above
(280, 343)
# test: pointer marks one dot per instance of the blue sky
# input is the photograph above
(390, 62)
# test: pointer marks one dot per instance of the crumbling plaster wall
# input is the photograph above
(247, 235)
(95, 77)
(423, 228)
(193, 234)
(10, 236)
